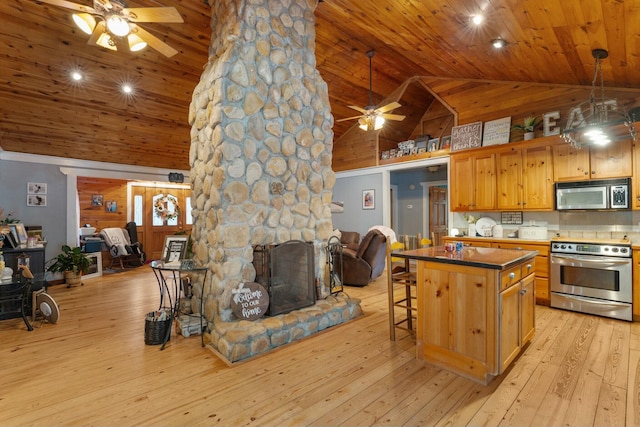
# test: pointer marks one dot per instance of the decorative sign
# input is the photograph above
(467, 136)
(249, 301)
(496, 132)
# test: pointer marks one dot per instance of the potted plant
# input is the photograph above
(72, 263)
(530, 124)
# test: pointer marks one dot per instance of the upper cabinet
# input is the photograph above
(525, 178)
(507, 177)
(611, 161)
(473, 182)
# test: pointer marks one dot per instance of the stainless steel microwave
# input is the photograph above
(608, 194)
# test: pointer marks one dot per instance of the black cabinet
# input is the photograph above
(12, 291)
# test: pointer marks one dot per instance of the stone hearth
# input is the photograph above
(261, 144)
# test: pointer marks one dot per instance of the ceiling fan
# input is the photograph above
(113, 25)
(373, 118)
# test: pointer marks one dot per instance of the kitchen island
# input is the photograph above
(475, 308)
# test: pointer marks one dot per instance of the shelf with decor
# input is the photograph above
(410, 157)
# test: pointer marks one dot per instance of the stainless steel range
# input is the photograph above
(592, 276)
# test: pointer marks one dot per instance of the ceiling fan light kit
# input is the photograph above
(113, 25)
(373, 118)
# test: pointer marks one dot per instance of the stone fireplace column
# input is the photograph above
(261, 143)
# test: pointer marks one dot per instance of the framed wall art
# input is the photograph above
(36, 200)
(111, 206)
(368, 199)
(36, 188)
(97, 200)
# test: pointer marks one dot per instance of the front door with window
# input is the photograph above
(160, 212)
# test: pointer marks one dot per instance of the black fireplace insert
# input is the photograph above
(286, 271)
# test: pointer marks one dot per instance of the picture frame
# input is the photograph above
(9, 241)
(95, 269)
(368, 199)
(111, 206)
(19, 233)
(175, 245)
(36, 200)
(36, 188)
(97, 200)
(433, 144)
(446, 143)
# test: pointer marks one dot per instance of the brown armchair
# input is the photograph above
(362, 265)
(350, 239)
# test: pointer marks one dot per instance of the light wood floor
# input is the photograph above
(93, 368)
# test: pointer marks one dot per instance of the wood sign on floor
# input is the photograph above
(249, 301)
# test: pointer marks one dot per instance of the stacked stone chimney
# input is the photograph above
(261, 143)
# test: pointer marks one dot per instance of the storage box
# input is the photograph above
(93, 246)
(533, 233)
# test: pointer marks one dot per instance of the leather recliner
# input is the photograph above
(361, 266)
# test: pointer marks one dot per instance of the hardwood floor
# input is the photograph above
(93, 368)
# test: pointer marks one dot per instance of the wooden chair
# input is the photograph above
(402, 302)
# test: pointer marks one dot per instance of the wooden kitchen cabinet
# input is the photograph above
(635, 181)
(541, 266)
(611, 161)
(473, 182)
(517, 319)
(525, 179)
(466, 302)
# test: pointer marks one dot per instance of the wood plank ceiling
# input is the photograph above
(547, 63)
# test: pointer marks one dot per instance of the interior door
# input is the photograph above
(437, 214)
(164, 214)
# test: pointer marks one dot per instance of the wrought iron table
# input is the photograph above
(169, 277)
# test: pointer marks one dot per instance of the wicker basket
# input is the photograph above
(155, 330)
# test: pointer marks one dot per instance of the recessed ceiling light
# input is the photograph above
(498, 43)
(76, 75)
(127, 88)
(477, 19)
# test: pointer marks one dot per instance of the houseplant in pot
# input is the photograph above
(72, 263)
(528, 126)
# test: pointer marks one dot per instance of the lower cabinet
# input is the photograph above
(517, 319)
(541, 263)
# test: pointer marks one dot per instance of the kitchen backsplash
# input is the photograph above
(592, 224)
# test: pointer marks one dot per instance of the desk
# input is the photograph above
(13, 303)
(169, 276)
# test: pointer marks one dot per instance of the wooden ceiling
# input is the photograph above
(547, 64)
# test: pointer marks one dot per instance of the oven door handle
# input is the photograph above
(590, 259)
(596, 301)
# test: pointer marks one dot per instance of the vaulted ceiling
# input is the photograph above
(547, 62)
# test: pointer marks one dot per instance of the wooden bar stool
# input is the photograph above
(402, 302)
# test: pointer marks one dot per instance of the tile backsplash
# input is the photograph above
(591, 224)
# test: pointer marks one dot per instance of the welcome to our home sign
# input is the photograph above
(249, 301)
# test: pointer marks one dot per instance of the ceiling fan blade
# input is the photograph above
(97, 32)
(122, 44)
(155, 42)
(362, 110)
(349, 118)
(70, 5)
(388, 107)
(153, 14)
(397, 117)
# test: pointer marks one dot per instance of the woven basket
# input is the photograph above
(155, 330)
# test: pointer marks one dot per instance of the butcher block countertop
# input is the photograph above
(492, 258)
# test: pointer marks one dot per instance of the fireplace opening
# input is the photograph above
(287, 273)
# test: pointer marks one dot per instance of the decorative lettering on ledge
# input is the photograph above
(466, 136)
